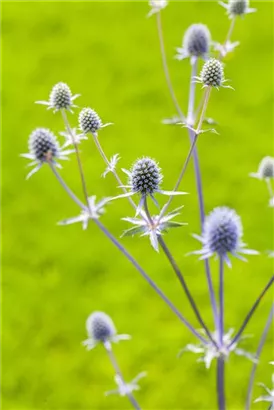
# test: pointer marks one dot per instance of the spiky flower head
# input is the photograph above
(60, 98)
(156, 6)
(222, 234)
(89, 121)
(101, 329)
(145, 176)
(44, 147)
(196, 42)
(100, 326)
(265, 170)
(237, 8)
(212, 74)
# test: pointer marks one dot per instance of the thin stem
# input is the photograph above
(66, 188)
(269, 187)
(148, 279)
(251, 312)
(103, 155)
(130, 258)
(258, 353)
(202, 116)
(221, 383)
(69, 130)
(192, 89)
(118, 372)
(229, 34)
(179, 275)
(221, 301)
(165, 66)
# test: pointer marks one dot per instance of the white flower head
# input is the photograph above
(156, 6)
(265, 169)
(44, 148)
(60, 98)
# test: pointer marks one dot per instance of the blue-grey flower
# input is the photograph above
(90, 122)
(94, 211)
(44, 148)
(265, 169)
(236, 8)
(101, 329)
(212, 74)
(156, 6)
(60, 98)
(196, 42)
(222, 235)
(160, 225)
(212, 351)
(145, 178)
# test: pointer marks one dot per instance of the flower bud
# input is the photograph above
(60, 97)
(43, 144)
(89, 121)
(145, 176)
(100, 327)
(212, 73)
(197, 40)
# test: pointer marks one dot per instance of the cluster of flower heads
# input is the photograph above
(196, 42)
(222, 235)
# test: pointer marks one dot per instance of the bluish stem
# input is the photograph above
(221, 383)
(251, 312)
(221, 301)
(258, 353)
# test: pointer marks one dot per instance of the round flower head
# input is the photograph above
(89, 121)
(44, 147)
(265, 170)
(212, 74)
(222, 234)
(101, 329)
(196, 42)
(145, 176)
(237, 8)
(60, 98)
(156, 6)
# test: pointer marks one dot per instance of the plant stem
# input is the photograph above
(251, 312)
(230, 30)
(269, 187)
(165, 66)
(69, 130)
(221, 383)
(118, 372)
(179, 275)
(258, 353)
(221, 301)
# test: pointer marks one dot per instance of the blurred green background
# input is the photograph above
(54, 277)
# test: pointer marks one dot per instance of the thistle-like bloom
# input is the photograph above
(90, 122)
(60, 98)
(94, 211)
(265, 170)
(212, 74)
(145, 179)
(236, 8)
(222, 234)
(101, 329)
(212, 351)
(156, 6)
(196, 42)
(269, 397)
(160, 225)
(44, 148)
(126, 388)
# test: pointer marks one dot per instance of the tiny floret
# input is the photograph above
(196, 42)
(237, 8)
(265, 170)
(145, 176)
(89, 121)
(100, 327)
(222, 234)
(60, 98)
(212, 74)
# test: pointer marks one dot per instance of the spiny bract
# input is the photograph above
(197, 40)
(222, 231)
(60, 96)
(89, 121)
(100, 327)
(145, 176)
(43, 144)
(212, 73)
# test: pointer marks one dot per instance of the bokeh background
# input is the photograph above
(53, 277)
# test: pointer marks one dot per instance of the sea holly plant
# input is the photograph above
(221, 232)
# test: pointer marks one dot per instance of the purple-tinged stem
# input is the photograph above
(258, 353)
(118, 372)
(221, 301)
(251, 312)
(221, 383)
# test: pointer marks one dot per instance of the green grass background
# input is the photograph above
(53, 277)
